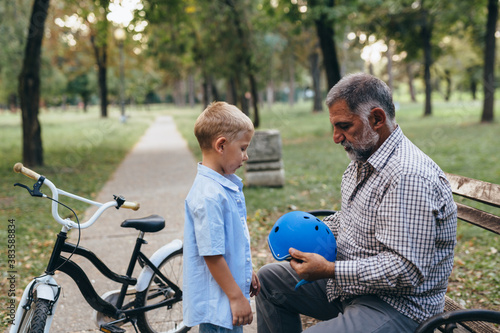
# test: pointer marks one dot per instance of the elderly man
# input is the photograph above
(396, 230)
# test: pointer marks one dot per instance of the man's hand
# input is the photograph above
(311, 266)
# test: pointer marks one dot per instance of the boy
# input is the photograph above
(218, 275)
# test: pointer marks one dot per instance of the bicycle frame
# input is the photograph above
(95, 301)
(47, 288)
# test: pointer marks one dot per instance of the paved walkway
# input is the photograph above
(157, 173)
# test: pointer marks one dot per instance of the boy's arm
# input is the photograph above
(240, 307)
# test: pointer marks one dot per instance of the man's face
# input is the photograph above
(353, 132)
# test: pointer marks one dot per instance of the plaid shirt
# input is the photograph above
(396, 230)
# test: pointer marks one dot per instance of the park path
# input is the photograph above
(158, 173)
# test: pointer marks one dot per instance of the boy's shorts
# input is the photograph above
(209, 328)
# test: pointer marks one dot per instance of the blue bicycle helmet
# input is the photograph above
(304, 232)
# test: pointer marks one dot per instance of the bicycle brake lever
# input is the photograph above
(36, 187)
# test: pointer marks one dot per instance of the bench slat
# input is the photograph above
(478, 217)
(474, 326)
(478, 190)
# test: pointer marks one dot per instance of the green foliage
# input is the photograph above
(14, 23)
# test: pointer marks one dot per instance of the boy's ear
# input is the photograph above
(219, 144)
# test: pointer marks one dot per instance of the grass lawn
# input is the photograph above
(314, 165)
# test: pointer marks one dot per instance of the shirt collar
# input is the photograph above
(379, 158)
(231, 182)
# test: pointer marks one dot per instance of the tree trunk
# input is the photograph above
(29, 86)
(100, 53)
(255, 100)
(426, 34)
(232, 93)
(447, 77)
(191, 92)
(246, 55)
(270, 94)
(324, 29)
(489, 63)
(215, 92)
(411, 86)
(389, 65)
(291, 80)
(473, 89)
(316, 78)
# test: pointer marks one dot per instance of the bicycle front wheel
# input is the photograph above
(34, 319)
(163, 319)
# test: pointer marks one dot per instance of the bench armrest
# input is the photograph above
(322, 212)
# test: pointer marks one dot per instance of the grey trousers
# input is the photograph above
(279, 307)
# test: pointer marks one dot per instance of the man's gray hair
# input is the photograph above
(363, 92)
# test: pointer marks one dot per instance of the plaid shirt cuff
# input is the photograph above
(346, 273)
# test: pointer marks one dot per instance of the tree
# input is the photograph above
(99, 35)
(29, 86)
(325, 29)
(489, 62)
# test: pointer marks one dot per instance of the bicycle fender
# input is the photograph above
(156, 258)
(46, 288)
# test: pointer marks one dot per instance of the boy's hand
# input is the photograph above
(255, 286)
(241, 310)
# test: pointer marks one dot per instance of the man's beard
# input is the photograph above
(365, 146)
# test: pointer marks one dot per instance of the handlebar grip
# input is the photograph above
(131, 205)
(20, 168)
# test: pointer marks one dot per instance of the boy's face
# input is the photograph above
(234, 153)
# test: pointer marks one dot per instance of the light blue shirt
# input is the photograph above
(215, 224)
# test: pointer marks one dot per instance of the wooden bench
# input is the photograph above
(486, 193)
(455, 318)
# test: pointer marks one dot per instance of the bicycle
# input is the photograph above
(154, 305)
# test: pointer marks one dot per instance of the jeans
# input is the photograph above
(210, 328)
(279, 306)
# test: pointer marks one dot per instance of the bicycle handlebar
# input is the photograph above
(20, 168)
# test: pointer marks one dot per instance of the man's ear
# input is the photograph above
(378, 118)
(219, 144)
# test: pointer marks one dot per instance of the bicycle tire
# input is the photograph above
(35, 318)
(162, 319)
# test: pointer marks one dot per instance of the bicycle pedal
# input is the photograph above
(110, 328)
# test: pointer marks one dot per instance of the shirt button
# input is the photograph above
(248, 259)
(248, 280)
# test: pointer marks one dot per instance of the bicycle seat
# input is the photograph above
(152, 223)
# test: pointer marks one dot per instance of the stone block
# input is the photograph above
(265, 166)
(265, 146)
(262, 166)
(269, 178)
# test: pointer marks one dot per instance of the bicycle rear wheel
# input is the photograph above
(34, 319)
(163, 319)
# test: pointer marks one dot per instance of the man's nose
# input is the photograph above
(338, 137)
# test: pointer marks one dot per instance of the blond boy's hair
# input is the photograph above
(220, 119)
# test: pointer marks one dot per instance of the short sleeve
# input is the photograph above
(209, 227)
